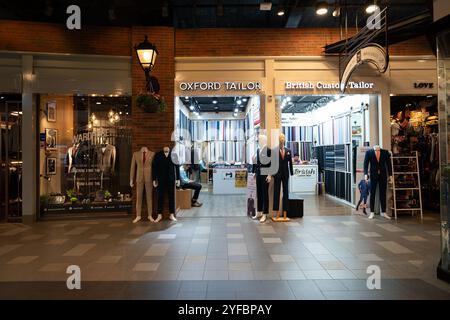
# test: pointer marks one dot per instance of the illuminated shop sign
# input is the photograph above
(218, 86)
(308, 85)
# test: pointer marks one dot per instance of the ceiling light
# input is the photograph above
(239, 102)
(321, 8)
(265, 6)
(215, 101)
(288, 99)
(280, 12)
(337, 12)
(372, 7)
(192, 108)
(98, 103)
(245, 99)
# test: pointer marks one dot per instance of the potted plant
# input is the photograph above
(151, 102)
(72, 196)
(107, 195)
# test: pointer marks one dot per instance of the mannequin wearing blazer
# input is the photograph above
(377, 167)
(285, 170)
(141, 177)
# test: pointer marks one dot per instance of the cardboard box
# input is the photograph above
(204, 177)
(184, 199)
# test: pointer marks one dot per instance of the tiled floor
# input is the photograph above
(322, 257)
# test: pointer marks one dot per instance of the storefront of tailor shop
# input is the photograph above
(301, 97)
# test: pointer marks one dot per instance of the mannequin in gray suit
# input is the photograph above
(141, 176)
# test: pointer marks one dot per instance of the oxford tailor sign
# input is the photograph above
(219, 86)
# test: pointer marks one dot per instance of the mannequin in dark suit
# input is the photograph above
(377, 167)
(262, 178)
(285, 170)
(166, 175)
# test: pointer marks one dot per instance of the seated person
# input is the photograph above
(297, 159)
(187, 184)
(203, 167)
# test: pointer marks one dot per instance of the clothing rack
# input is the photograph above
(406, 166)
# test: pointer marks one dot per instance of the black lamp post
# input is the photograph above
(147, 53)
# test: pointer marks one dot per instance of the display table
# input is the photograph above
(230, 180)
(305, 179)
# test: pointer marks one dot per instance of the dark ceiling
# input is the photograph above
(205, 13)
(302, 104)
(223, 104)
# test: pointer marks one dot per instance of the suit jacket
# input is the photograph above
(164, 169)
(141, 172)
(257, 167)
(377, 169)
(106, 160)
(286, 167)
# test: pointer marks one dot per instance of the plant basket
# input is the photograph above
(151, 103)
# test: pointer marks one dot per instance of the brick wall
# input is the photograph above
(271, 42)
(56, 38)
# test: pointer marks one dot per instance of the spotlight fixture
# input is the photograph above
(265, 6)
(236, 110)
(288, 99)
(245, 100)
(239, 102)
(321, 8)
(215, 101)
(372, 7)
(337, 12)
(192, 108)
(281, 12)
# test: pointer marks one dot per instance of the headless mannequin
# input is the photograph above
(156, 184)
(285, 171)
(262, 180)
(377, 183)
(141, 176)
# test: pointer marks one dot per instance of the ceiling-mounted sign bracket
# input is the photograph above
(373, 54)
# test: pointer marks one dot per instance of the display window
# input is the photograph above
(10, 157)
(415, 130)
(85, 155)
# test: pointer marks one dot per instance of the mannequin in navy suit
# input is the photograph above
(379, 162)
(285, 170)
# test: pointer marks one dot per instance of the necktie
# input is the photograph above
(143, 157)
(378, 154)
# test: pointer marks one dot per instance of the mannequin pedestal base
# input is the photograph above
(277, 218)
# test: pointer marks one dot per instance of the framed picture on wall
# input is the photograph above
(51, 111)
(51, 166)
(51, 139)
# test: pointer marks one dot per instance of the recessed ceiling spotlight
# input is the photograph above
(239, 102)
(280, 12)
(215, 101)
(321, 8)
(192, 108)
(372, 7)
(245, 99)
(98, 103)
(288, 99)
(236, 110)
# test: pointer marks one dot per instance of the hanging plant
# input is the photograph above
(151, 101)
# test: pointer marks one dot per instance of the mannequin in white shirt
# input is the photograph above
(262, 179)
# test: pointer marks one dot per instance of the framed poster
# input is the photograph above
(51, 139)
(51, 111)
(51, 166)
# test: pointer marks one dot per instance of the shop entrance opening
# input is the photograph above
(216, 142)
(325, 133)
